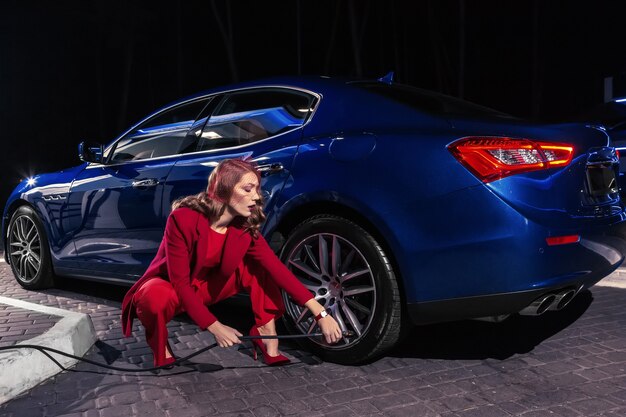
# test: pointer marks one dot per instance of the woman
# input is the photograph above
(212, 249)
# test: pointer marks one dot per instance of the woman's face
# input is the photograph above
(245, 195)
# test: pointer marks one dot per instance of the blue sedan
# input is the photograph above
(393, 205)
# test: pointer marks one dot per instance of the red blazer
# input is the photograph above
(179, 260)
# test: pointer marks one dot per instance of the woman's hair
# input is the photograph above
(213, 202)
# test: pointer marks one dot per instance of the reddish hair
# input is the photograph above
(213, 202)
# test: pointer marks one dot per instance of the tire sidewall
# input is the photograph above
(384, 282)
(44, 277)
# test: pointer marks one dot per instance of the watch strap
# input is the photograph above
(321, 315)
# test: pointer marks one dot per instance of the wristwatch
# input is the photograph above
(321, 315)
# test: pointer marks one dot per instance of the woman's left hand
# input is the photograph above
(330, 329)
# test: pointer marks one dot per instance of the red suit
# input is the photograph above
(179, 279)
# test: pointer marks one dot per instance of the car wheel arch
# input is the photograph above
(15, 206)
(304, 212)
(35, 247)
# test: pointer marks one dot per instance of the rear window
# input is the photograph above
(429, 101)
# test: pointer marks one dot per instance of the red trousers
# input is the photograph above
(156, 302)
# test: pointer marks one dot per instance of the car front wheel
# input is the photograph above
(28, 250)
(350, 275)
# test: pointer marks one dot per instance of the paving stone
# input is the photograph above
(424, 393)
(392, 401)
(548, 398)
(226, 406)
(564, 411)
(591, 406)
(412, 410)
(513, 408)
(347, 396)
(92, 413)
(539, 413)
(363, 407)
(271, 398)
(190, 411)
(265, 411)
(27, 412)
(116, 411)
(336, 411)
(481, 411)
(168, 403)
(130, 397)
(499, 395)
(296, 394)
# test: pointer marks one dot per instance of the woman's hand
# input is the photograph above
(330, 329)
(225, 336)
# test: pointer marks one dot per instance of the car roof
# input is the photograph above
(317, 84)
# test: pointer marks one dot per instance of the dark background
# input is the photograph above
(76, 70)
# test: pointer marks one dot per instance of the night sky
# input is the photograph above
(76, 70)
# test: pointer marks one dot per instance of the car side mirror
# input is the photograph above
(90, 152)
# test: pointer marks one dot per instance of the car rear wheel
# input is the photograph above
(28, 250)
(350, 275)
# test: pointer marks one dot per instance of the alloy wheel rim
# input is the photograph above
(342, 280)
(25, 249)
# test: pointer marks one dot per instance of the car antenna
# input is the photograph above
(387, 79)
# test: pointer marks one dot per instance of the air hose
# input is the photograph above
(178, 361)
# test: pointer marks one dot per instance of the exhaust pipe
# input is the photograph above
(563, 298)
(539, 306)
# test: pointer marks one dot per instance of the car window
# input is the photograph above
(429, 101)
(247, 117)
(162, 135)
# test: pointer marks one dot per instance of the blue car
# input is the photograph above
(393, 205)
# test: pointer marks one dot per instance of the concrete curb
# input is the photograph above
(23, 369)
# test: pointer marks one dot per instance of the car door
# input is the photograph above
(262, 124)
(121, 218)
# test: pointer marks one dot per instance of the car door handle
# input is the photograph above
(269, 169)
(145, 183)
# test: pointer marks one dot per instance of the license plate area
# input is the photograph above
(601, 180)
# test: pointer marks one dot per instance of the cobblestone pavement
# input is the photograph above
(18, 325)
(567, 363)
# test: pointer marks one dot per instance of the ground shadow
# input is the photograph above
(83, 290)
(466, 339)
(470, 339)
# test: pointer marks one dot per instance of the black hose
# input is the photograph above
(178, 361)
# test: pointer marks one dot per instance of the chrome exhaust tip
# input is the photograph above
(563, 298)
(539, 306)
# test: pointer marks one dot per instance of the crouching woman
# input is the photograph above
(212, 249)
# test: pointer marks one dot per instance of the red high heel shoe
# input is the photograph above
(169, 362)
(258, 344)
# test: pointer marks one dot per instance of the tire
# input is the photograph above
(28, 250)
(360, 291)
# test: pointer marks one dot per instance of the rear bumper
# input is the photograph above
(499, 304)
(486, 248)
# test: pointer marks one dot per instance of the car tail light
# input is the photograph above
(491, 158)
(562, 240)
